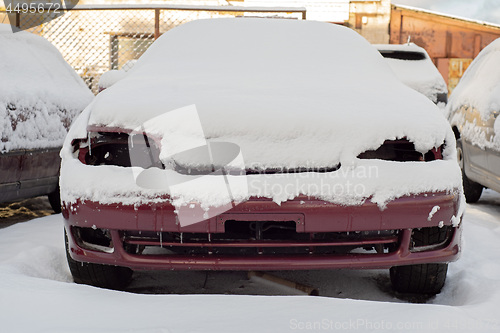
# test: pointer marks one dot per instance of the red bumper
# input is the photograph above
(310, 216)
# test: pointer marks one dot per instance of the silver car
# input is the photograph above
(473, 113)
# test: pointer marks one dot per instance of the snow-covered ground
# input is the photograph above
(37, 295)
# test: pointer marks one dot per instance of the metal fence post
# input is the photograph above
(113, 54)
(157, 23)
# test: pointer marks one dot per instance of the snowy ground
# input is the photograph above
(37, 295)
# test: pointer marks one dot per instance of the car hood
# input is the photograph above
(288, 93)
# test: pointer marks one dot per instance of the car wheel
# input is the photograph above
(419, 279)
(102, 276)
(472, 190)
(423, 278)
(55, 200)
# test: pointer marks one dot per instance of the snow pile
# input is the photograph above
(114, 75)
(40, 94)
(480, 84)
(111, 77)
(496, 129)
(479, 88)
(420, 75)
(381, 181)
(284, 96)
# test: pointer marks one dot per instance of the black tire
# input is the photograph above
(55, 200)
(419, 279)
(472, 190)
(425, 279)
(102, 276)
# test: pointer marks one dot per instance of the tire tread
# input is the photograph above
(421, 278)
(98, 275)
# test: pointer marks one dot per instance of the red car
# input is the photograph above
(261, 144)
(40, 95)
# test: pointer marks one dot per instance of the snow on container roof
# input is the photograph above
(40, 93)
(415, 69)
(287, 92)
(480, 84)
(454, 17)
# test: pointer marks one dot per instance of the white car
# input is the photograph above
(473, 113)
(413, 66)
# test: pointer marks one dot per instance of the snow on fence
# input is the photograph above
(96, 38)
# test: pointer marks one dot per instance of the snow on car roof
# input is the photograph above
(281, 84)
(40, 93)
(480, 84)
(420, 74)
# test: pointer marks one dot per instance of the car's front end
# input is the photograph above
(316, 229)
(246, 178)
(300, 234)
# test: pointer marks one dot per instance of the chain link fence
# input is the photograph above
(95, 39)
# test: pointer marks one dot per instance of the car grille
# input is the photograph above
(260, 238)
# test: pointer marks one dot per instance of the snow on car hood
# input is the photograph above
(420, 75)
(40, 93)
(288, 93)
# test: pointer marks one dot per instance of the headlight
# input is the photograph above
(120, 149)
(401, 151)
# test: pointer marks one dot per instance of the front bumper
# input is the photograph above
(310, 217)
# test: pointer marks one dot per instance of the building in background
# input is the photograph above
(370, 19)
(451, 42)
(332, 11)
(94, 42)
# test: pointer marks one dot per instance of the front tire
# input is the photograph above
(98, 275)
(472, 190)
(419, 279)
(55, 200)
(425, 279)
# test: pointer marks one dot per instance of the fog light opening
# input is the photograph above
(94, 239)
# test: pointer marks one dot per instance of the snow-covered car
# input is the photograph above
(473, 113)
(252, 144)
(413, 66)
(40, 95)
